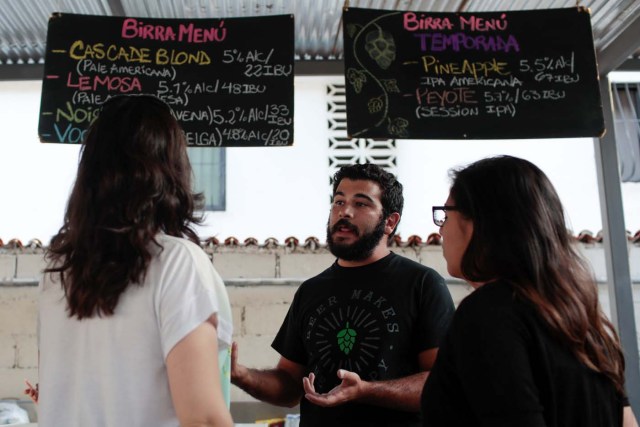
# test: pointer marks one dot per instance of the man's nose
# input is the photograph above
(346, 211)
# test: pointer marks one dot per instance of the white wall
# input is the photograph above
(35, 178)
(283, 191)
(280, 191)
(569, 163)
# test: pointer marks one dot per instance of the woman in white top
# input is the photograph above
(132, 313)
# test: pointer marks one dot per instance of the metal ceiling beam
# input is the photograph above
(616, 251)
(631, 64)
(116, 7)
(319, 68)
(621, 49)
(21, 72)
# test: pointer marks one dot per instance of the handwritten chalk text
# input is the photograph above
(81, 50)
(411, 22)
(110, 83)
(189, 33)
(433, 65)
(438, 42)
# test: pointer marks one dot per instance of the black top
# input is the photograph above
(500, 366)
(373, 320)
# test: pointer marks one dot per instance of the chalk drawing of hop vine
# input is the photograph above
(398, 127)
(380, 47)
(346, 339)
(357, 79)
(375, 104)
(352, 29)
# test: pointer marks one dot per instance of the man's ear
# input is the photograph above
(391, 222)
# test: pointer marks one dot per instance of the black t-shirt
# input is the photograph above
(373, 320)
(499, 366)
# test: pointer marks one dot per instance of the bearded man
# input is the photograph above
(360, 338)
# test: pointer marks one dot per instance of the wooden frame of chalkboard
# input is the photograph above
(489, 75)
(229, 81)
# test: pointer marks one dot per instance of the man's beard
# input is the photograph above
(361, 248)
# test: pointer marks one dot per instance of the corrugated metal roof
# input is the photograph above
(23, 23)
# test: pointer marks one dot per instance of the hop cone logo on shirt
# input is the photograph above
(346, 339)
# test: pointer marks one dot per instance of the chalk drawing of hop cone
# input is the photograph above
(357, 79)
(346, 339)
(381, 48)
(375, 105)
(398, 127)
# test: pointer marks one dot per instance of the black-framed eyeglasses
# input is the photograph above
(440, 214)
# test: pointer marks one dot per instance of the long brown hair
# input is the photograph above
(520, 236)
(133, 181)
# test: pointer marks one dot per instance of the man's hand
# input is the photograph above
(351, 388)
(279, 386)
(238, 372)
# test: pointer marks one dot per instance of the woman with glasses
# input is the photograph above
(530, 346)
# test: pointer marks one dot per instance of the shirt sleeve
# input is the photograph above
(492, 357)
(187, 295)
(225, 316)
(435, 312)
(289, 341)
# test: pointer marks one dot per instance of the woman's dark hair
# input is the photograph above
(520, 236)
(391, 198)
(133, 181)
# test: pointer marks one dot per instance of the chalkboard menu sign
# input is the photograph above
(490, 75)
(229, 81)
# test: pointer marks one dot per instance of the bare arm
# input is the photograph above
(401, 393)
(628, 419)
(281, 386)
(194, 379)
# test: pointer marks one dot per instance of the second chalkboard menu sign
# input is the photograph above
(229, 81)
(490, 75)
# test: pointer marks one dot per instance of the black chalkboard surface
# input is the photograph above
(490, 75)
(229, 81)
